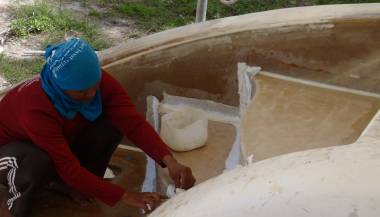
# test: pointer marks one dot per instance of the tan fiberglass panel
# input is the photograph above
(285, 117)
(208, 161)
(330, 44)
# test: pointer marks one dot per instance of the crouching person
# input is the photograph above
(65, 124)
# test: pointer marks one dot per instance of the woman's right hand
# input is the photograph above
(147, 201)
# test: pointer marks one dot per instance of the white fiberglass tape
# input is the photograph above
(149, 184)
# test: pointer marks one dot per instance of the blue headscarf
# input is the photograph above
(72, 65)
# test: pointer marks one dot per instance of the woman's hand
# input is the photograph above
(181, 175)
(147, 201)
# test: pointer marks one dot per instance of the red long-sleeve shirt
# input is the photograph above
(26, 113)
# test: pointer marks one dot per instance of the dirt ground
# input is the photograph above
(117, 30)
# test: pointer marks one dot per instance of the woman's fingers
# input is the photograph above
(177, 180)
(151, 202)
(181, 175)
(155, 196)
(187, 179)
(146, 201)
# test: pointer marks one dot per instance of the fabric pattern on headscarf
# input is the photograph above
(72, 65)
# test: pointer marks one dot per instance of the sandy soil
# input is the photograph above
(118, 30)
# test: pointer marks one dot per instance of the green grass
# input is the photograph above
(325, 2)
(158, 15)
(16, 70)
(42, 17)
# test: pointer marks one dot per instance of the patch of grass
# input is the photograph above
(101, 14)
(32, 19)
(55, 25)
(325, 2)
(135, 35)
(84, 3)
(16, 70)
(158, 15)
(94, 13)
(42, 17)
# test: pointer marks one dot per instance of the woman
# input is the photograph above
(68, 122)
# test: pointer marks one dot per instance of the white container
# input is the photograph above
(184, 130)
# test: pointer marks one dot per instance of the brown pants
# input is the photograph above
(24, 168)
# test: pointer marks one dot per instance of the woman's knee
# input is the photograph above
(28, 163)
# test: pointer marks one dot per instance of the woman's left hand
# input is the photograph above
(181, 175)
